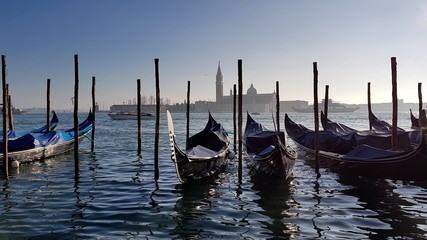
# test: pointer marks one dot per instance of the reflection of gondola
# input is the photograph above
(193, 206)
(276, 202)
(380, 197)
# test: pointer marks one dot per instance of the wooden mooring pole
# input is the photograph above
(316, 117)
(240, 118)
(234, 116)
(138, 112)
(187, 135)
(420, 101)
(48, 104)
(92, 143)
(5, 118)
(76, 117)
(326, 103)
(277, 106)
(369, 106)
(156, 137)
(394, 95)
(9, 109)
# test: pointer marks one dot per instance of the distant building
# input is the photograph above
(252, 101)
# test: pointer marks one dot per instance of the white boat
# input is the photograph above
(129, 115)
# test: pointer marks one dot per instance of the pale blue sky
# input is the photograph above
(117, 41)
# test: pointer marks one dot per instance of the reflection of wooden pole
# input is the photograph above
(240, 117)
(187, 136)
(138, 112)
(76, 117)
(316, 117)
(5, 118)
(394, 94)
(234, 116)
(92, 144)
(156, 137)
(48, 104)
(369, 106)
(277, 106)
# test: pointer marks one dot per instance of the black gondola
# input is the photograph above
(207, 152)
(267, 150)
(362, 160)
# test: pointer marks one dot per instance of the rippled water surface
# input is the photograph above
(116, 196)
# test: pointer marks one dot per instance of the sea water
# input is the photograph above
(116, 196)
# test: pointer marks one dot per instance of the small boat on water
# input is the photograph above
(207, 152)
(129, 115)
(15, 110)
(333, 107)
(337, 153)
(267, 150)
(35, 146)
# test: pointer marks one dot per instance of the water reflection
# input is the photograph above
(378, 195)
(192, 207)
(276, 202)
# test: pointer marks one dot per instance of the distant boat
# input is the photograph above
(129, 115)
(15, 110)
(18, 111)
(333, 107)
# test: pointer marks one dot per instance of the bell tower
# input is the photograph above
(219, 84)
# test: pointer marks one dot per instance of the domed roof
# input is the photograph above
(251, 90)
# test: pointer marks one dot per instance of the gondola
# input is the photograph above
(267, 150)
(12, 134)
(362, 160)
(379, 137)
(35, 146)
(207, 152)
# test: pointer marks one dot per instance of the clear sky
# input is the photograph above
(117, 42)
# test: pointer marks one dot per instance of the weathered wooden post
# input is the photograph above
(316, 118)
(394, 95)
(187, 136)
(420, 101)
(76, 117)
(138, 112)
(234, 116)
(369, 106)
(326, 103)
(9, 108)
(48, 104)
(240, 117)
(277, 106)
(422, 122)
(5, 118)
(156, 137)
(92, 144)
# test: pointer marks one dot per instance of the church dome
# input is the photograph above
(251, 90)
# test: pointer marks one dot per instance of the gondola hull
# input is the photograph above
(362, 161)
(207, 154)
(267, 151)
(36, 146)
